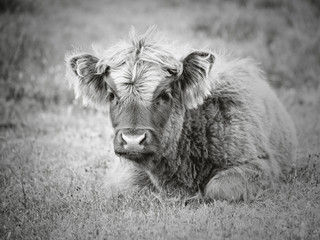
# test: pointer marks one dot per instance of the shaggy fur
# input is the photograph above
(223, 134)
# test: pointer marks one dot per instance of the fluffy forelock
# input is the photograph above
(138, 66)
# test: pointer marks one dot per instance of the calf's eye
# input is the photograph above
(111, 96)
(164, 96)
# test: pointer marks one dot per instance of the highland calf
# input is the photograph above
(195, 125)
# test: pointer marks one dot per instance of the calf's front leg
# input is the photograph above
(240, 183)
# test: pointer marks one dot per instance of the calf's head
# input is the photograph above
(146, 87)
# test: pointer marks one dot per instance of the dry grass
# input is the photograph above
(53, 152)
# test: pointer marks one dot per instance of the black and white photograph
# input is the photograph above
(160, 119)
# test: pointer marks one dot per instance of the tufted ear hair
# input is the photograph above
(86, 76)
(194, 81)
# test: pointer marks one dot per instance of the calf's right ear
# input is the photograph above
(86, 77)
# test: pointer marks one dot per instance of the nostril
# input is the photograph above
(122, 137)
(143, 140)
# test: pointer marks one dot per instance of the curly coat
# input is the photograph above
(223, 134)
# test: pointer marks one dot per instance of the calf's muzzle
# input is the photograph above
(134, 144)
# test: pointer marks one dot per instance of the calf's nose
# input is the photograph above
(132, 142)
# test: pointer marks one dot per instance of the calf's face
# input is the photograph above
(140, 106)
(143, 90)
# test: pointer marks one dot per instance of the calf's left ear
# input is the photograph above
(87, 79)
(194, 81)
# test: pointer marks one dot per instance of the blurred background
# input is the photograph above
(283, 35)
(54, 151)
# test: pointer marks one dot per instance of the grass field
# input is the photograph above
(54, 152)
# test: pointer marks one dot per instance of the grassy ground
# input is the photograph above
(53, 152)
